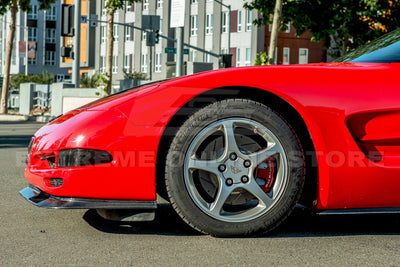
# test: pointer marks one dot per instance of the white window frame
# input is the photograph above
(51, 13)
(115, 33)
(32, 34)
(286, 53)
(194, 24)
(304, 56)
(239, 21)
(126, 63)
(127, 33)
(34, 12)
(195, 1)
(209, 23)
(102, 64)
(115, 64)
(158, 65)
(145, 4)
(160, 3)
(237, 57)
(50, 36)
(288, 27)
(248, 57)
(50, 58)
(128, 7)
(249, 21)
(193, 55)
(103, 34)
(224, 22)
(32, 61)
(144, 66)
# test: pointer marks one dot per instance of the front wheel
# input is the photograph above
(234, 168)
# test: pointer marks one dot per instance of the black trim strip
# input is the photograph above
(41, 199)
(360, 211)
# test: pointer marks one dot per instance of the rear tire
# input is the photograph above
(235, 168)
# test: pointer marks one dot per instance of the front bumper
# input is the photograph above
(41, 199)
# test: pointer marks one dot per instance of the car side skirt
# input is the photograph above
(41, 199)
(360, 211)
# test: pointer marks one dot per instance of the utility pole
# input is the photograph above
(77, 44)
(179, 52)
(26, 42)
(228, 22)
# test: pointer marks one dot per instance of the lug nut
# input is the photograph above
(247, 163)
(233, 156)
(229, 182)
(244, 179)
(222, 168)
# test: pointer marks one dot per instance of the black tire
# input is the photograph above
(206, 170)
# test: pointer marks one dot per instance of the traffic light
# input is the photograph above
(67, 18)
(157, 36)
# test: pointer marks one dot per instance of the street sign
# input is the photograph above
(177, 13)
(93, 20)
(172, 50)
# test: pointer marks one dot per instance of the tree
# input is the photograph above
(274, 32)
(347, 23)
(112, 6)
(13, 6)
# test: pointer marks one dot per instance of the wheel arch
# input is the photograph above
(269, 99)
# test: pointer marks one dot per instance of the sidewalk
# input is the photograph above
(12, 117)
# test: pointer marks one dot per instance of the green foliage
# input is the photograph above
(17, 79)
(24, 5)
(262, 59)
(135, 75)
(349, 23)
(90, 82)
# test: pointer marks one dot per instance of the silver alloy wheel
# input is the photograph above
(227, 189)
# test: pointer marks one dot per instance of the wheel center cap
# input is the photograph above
(235, 170)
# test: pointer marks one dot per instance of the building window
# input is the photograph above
(161, 26)
(128, 7)
(103, 34)
(239, 21)
(194, 1)
(193, 55)
(102, 64)
(286, 56)
(50, 58)
(160, 3)
(51, 36)
(209, 23)
(249, 23)
(208, 57)
(238, 57)
(32, 34)
(126, 63)
(225, 22)
(144, 63)
(146, 5)
(51, 13)
(288, 27)
(104, 12)
(248, 57)
(115, 33)
(34, 12)
(32, 61)
(115, 64)
(303, 55)
(194, 24)
(127, 33)
(158, 62)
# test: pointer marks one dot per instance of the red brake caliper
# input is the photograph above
(265, 174)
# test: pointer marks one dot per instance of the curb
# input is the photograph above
(44, 119)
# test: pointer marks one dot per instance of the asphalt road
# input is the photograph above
(37, 236)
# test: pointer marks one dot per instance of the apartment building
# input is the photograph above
(206, 27)
(296, 50)
(43, 41)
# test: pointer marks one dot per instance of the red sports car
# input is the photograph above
(233, 150)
